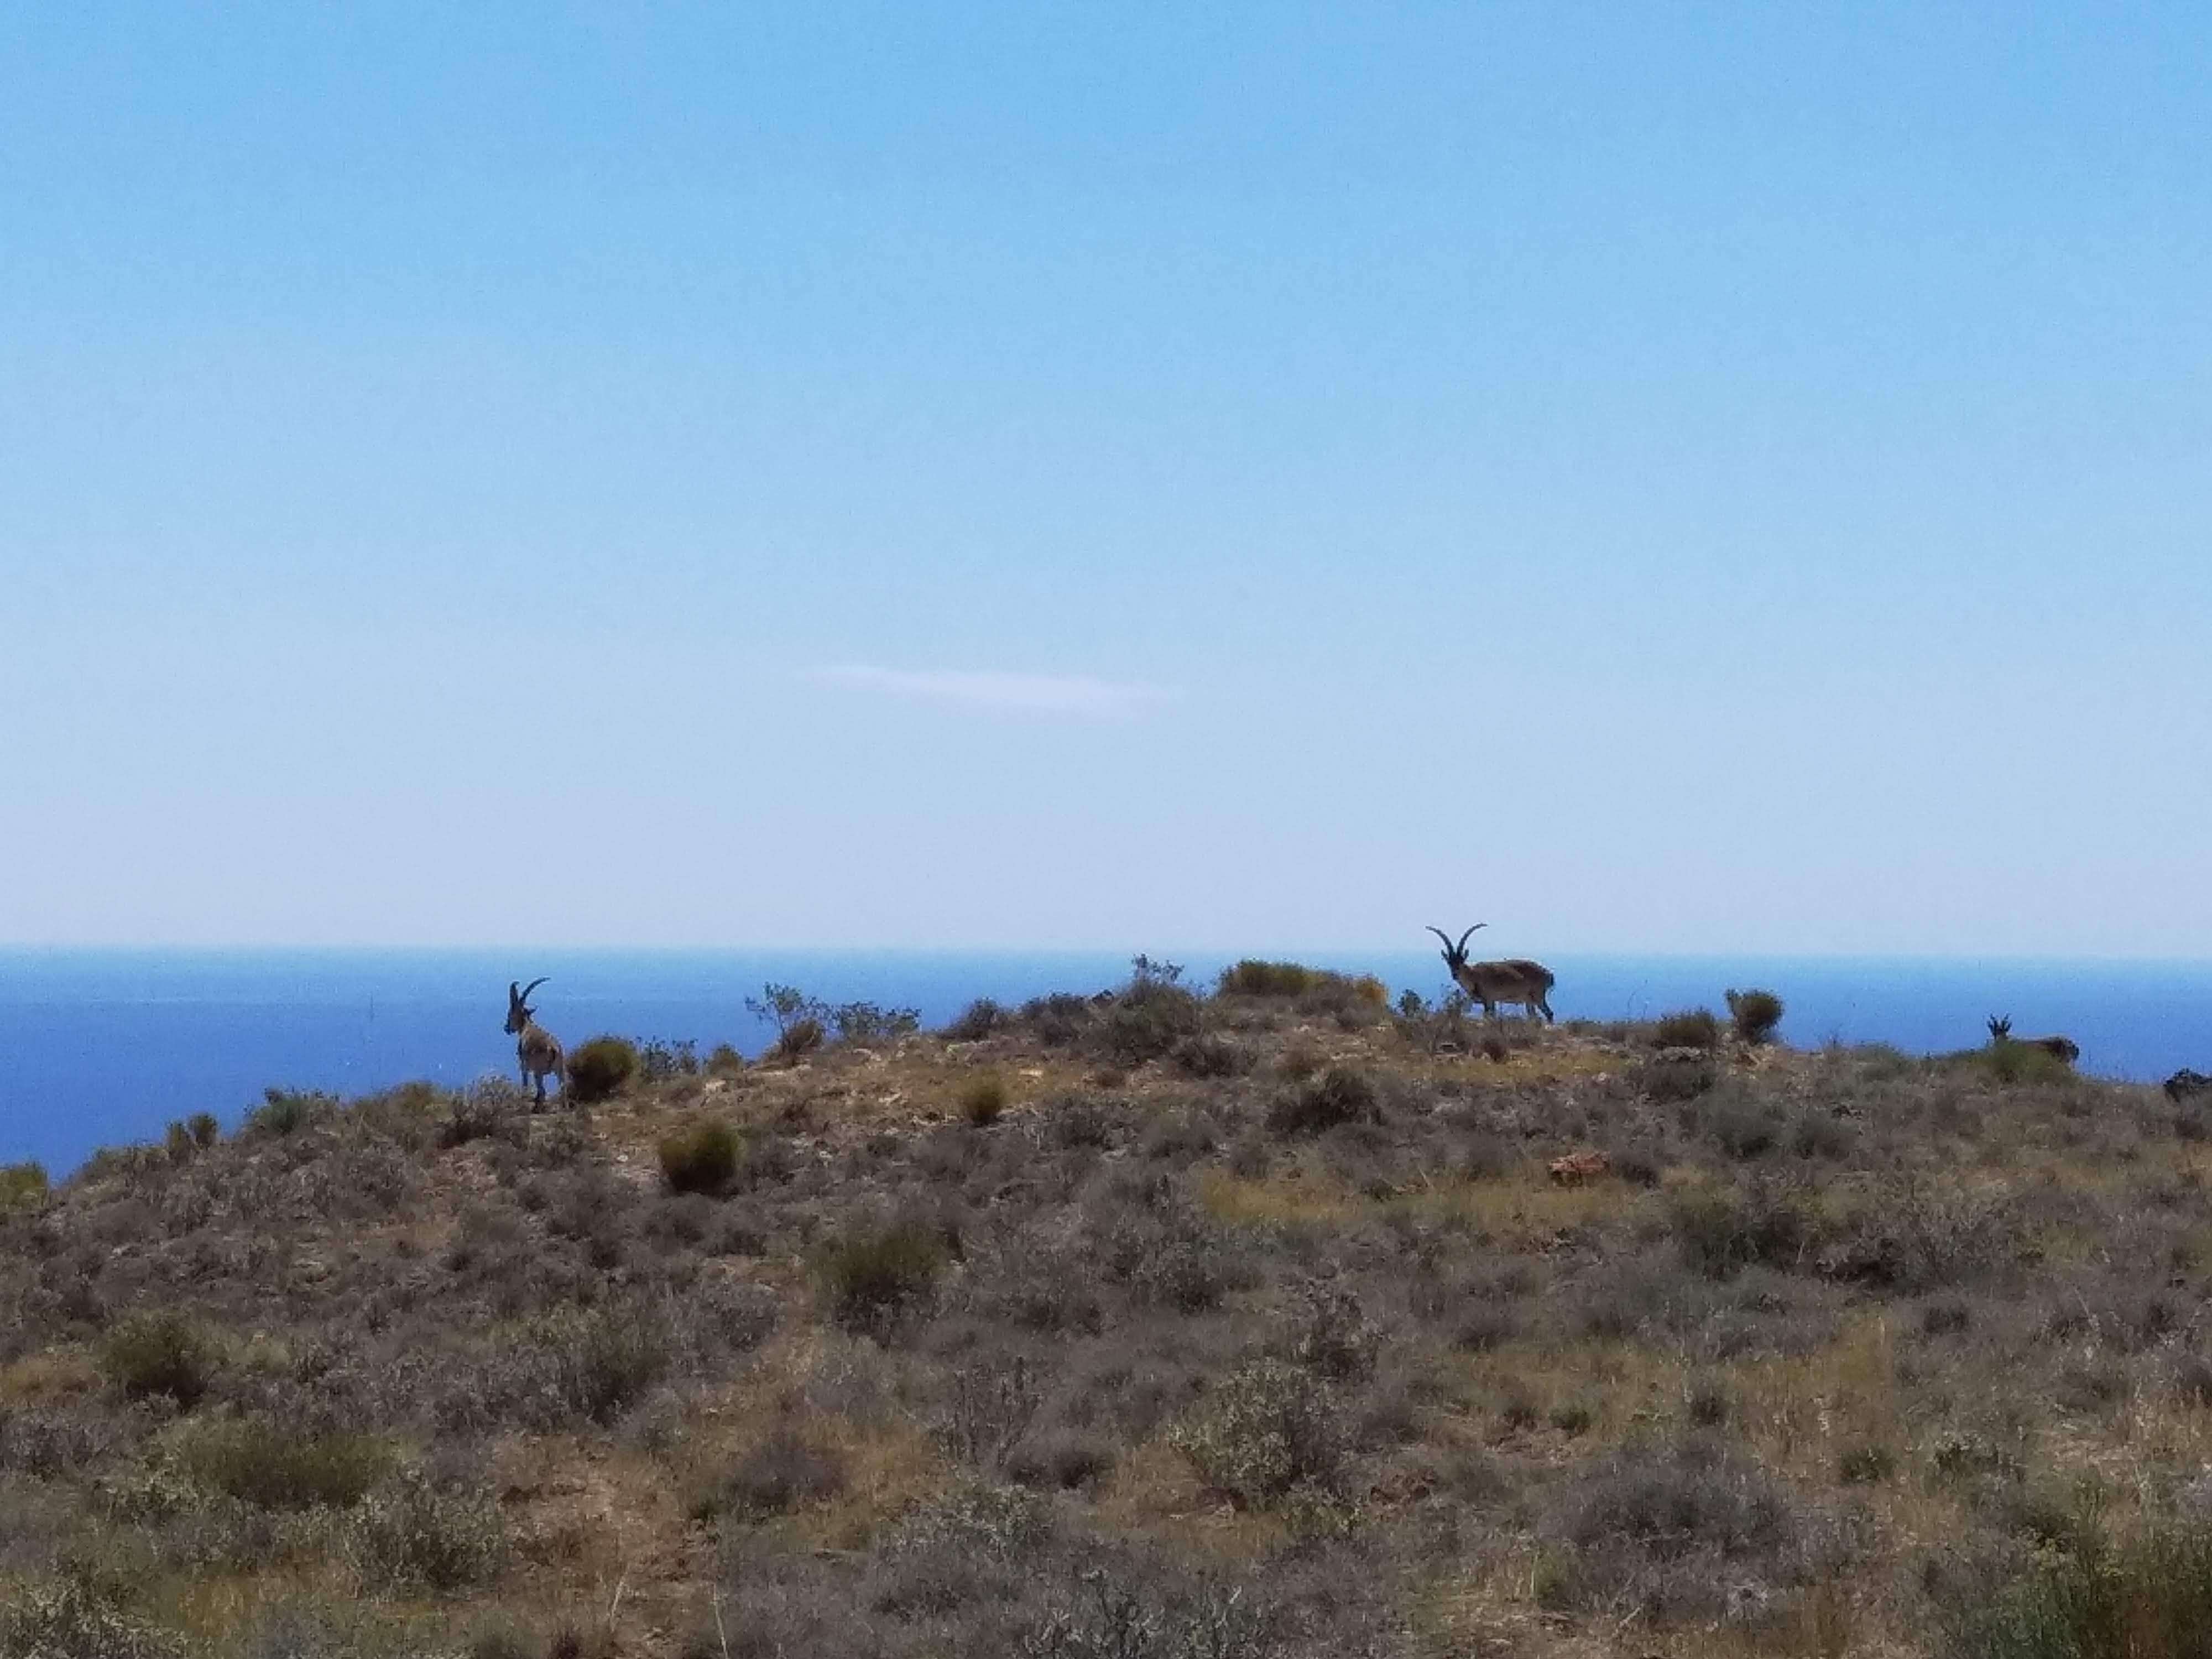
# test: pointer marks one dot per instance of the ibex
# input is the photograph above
(538, 1050)
(1516, 980)
(2058, 1048)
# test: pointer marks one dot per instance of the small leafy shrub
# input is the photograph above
(797, 1040)
(2149, 1595)
(659, 1062)
(161, 1353)
(775, 1477)
(276, 1467)
(287, 1111)
(600, 1069)
(2013, 1064)
(978, 1020)
(23, 1187)
(1205, 1056)
(411, 1534)
(703, 1159)
(1673, 1079)
(1058, 1021)
(867, 1025)
(479, 1114)
(203, 1129)
(1339, 1095)
(1262, 1430)
(801, 1022)
(1150, 1017)
(725, 1061)
(1573, 1417)
(1250, 978)
(983, 1099)
(1687, 1028)
(1335, 1337)
(1755, 1014)
(1865, 1465)
(1723, 1229)
(870, 1277)
(1742, 1127)
(1672, 1531)
(176, 1142)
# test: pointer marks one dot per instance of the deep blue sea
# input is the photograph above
(98, 1048)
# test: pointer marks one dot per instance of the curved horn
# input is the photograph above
(1443, 935)
(1467, 935)
(523, 996)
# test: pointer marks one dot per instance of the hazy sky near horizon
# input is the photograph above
(1655, 478)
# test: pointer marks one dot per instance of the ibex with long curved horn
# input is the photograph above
(2059, 1047)
(538, 1050)
(1516, 980)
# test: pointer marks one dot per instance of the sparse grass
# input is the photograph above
(600, 1069)
(2147, 1596)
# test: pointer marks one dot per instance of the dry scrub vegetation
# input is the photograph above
(1176, 1327)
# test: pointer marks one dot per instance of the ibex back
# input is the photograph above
(1516, 980)
(537, 1049)
(2059, 1047)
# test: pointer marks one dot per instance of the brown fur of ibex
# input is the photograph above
(2059, 1047)
(1515, 980)
(537, 1050)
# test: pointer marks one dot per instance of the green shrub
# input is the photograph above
(176, 1142)
(1670, 1078)
(1250, 978)
(775, 1477)
(725, 1061)
(287, 1111)
(983, 1099)
(1687, 1028)
(2015, 1063)
(1721, 1229)
(1865, 1465)
(23, 1187)
(411, 1534)
(1340, 1094)
(600, 1069)
(1755, 1014)
(797, 1041)
(870, 1277)
(978, 1020)
(203, 1129)
(276, 1467)
(1149, 1016)
(1264, 1429)
(660, 1060)
(161, 1353)
(800, 1021)
(2150, 1595)
(868, 1026)
(703, 1159)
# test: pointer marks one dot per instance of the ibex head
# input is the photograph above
(1456, 955)
(2000, 1028)
(518, 1004)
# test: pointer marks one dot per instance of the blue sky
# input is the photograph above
(1658, 477)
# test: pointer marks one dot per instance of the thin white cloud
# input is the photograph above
(1027, 694)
